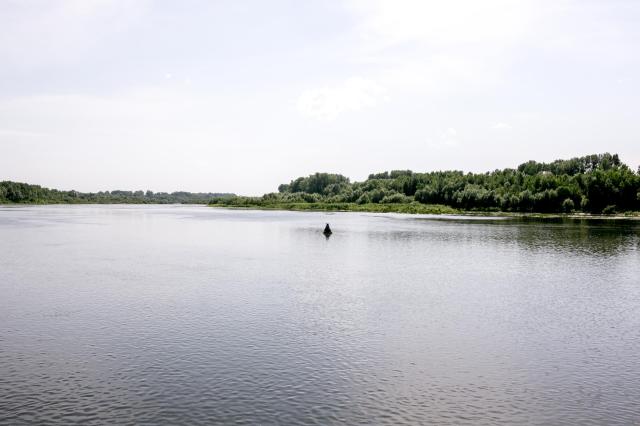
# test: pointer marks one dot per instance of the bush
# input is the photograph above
(611, 209)
(311, 198)
(364, 199)
(584, 203)
(568, 205)
(426, 195)
(395, 198)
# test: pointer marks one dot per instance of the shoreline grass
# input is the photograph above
(413, 208)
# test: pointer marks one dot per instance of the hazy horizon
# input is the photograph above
(243, 96)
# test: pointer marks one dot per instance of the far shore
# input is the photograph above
(414, 209)
(409, 209)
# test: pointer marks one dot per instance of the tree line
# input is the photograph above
(17, 192)
(598, 183)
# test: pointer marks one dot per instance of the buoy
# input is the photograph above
(327, 230)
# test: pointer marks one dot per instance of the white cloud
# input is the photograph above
(162, 138)
(450, 132)
(44, 33)
(449, 137)
(328, 102)
(144, 112)
(440, 48)
(501, 126)
(15, 133)
(442, 23)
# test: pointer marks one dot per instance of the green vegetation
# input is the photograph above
(598, 184)
(15, 192)
(259, 203)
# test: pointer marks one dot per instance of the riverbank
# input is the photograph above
(414, 208)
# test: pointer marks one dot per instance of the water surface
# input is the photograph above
(195, 315)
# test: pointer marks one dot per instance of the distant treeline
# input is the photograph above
(598, 183)
(16, 192)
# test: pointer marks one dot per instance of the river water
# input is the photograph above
(195, 315)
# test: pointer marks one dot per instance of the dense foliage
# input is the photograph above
(598, 183)
(16, 192)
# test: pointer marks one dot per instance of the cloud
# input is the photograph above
(440, 48)
(161, 137)
(449, 137)
(450, 132)
(354, 94)
(442, 23)
(35, 34)
(139, 113)
(501, 126)
(15, 133)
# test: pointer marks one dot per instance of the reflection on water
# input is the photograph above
(178, 314)
(585, 236)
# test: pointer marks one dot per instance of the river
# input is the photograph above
(195, 315)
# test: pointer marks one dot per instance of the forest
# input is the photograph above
(597, 184)
(24, 193)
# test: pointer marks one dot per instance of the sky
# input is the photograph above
(240, 96)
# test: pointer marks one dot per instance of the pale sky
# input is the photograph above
(240, 96)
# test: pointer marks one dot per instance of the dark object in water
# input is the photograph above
(327, 230)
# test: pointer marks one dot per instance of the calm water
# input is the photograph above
(194, 315)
